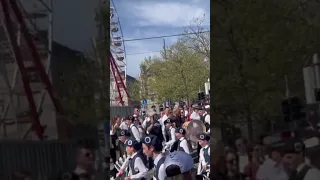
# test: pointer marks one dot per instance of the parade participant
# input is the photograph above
(294, 160)
(272, 167)
(137, 168)
(181, 144)
(179, 165)
(205, 117)
(133, 129)
(204, 155)
(170, 131)
(165, 116)
(195, 114)
(152, 147)
(154, 127)
(123, 136)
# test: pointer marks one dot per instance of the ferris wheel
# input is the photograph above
(118, 66)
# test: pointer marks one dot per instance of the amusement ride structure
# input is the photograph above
(118, 65)
(25, 56)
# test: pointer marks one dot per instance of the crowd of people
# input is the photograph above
(156, 146)
(285, 159)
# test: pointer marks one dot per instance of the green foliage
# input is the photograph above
(78, 88)
(134, 91)
(177, 75)
(255, 44)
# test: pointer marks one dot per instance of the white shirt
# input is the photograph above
(243, 162)
(207, 119)
(195, 116)
(269, 171)
(140, 167)
(184, 145)
(79, 171)
(162, 172)
(201, 159)
(172, 135)
(135, 132)
(123, 126)
(144, 123)
(163, 127)
(312, 174)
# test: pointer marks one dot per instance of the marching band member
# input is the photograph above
(182, 143)
(171, 132)
(179, 165)
(133, 129)
(137, 168)
(123, 136)
(152, 146)
(204, 155)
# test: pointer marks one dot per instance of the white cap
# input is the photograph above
(207, 106)
(181, 159)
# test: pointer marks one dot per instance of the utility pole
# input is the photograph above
(165, 50)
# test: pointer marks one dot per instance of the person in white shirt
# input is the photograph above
(162, 119)
(272, 167)
(182, 143)
(123, 125)
(134, 131)
(171, 131)
(152, 147)
(204, 155)
(242, 154)
(294, 160)
(137, 168)
(195, 114)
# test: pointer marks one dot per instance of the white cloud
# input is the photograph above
(171, 13)
(137, 51)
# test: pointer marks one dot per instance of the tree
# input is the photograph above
(178, 75)
(198, 38)
(135, 91)
(256, 43)
(78, 92)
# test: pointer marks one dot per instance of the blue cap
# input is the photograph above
(178, 162)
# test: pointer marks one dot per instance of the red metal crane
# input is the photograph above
(13, 16)
(119, 83)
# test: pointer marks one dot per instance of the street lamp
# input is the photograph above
(207, 87)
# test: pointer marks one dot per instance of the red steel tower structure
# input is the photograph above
(25, 55)
(118, 67)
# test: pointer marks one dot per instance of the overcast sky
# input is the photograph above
(74, 25)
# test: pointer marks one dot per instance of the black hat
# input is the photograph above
(131, 118)
(276, 146)
(169, 120)
(181, 131)
(293, 146)
(133, 143)
(152, 140)
(204, 136)
(124, 132)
